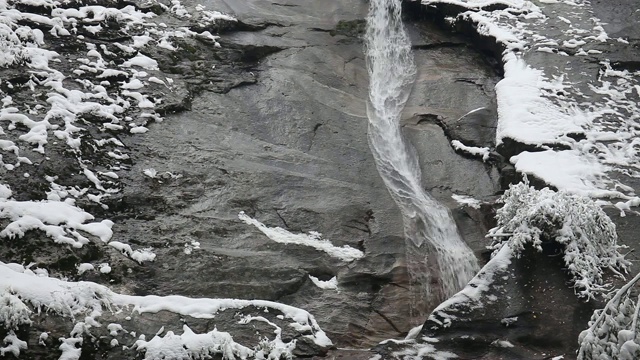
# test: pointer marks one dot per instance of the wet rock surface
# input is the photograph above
(528, 312)
(272, 123)
(291, 151)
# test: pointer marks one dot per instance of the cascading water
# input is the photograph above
(428, 225)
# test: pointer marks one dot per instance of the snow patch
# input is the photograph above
(331, 284)
(312, 239)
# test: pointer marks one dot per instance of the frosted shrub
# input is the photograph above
(13, 312)
(613, 331)
(586, 233)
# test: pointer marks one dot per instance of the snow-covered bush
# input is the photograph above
(530, 217)
(613, 331)
(13, 312)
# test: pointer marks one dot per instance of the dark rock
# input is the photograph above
(291, 150)
(349, 28)
(477, 128)
(530, 305)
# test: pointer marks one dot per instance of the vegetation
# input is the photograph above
(583, 230)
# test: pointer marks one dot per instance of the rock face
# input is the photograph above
(527, 312)
(271, 123)
(291, 151)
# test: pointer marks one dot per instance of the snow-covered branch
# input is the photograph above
(587, 235)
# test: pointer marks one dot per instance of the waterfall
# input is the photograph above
(439, 261)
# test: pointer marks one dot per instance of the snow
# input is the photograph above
(482, 152)
(138, 255)
(586, 133)
(502, 344)
(570, 170)
(114, 329)
(472, 295)
(151, 172)
(466, 201)
(13, 312)
(142, 61)
(612, 331)
(477, 4)
(312, 239)
(524, 115)
(68, 98)
(421, 350)
(105, 268)
(585, 232)
(70, 349)
(193, 245)
(88, 301)
(43, 338)
(13, 345)
(331, 284)
(55, 218)
(191, 345)
(84, 267)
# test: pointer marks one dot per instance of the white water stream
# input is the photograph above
(439, 261)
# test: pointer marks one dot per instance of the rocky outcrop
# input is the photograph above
(520, 309)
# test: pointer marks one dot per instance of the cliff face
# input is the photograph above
(160, 123)
(203, 116)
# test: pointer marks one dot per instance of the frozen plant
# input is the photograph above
(13, 312)
(613, 330)
(587, 235)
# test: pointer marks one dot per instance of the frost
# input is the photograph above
(532, 217)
